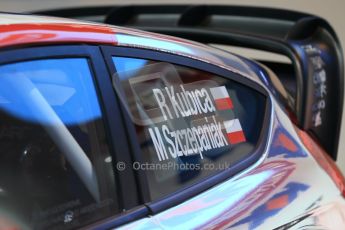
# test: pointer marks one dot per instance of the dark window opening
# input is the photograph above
(55, 164)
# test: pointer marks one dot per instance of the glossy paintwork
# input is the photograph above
(285, 187)
(23, 29)
(19, 34)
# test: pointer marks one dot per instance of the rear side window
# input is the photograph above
(190, 124)
(55, 170)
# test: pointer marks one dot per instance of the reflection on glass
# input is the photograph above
(52, 145)
(191, 124)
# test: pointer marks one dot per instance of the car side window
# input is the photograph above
(190, 123)
(55, 163)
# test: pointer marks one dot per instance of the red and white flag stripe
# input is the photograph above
(221, 98)
(234, 131)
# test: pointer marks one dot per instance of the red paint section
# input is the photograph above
(286, 142)
(224, 103)
(236, 137)
(323, 159)
(7, 224)
(19, 34)
(278, 203)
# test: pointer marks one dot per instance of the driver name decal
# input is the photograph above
(205, 130)
(184, 103)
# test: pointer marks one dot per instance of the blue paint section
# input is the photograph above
(278, 148)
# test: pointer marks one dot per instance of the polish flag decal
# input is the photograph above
(234, 131)
(221, 98)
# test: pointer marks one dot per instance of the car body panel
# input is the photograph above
(284, 185)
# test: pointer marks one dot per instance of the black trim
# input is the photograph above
(126, 217)
(125, 181)
(131, 137)
(186, 193)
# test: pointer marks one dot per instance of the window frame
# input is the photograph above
(183, 194)
(126, 196)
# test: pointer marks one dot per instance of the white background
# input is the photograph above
(332, 10)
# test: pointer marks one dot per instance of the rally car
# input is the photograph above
(111, 127)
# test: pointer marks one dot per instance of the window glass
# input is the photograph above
(190, 124)
(55, 164)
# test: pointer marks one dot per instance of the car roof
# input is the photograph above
(27, 30)
(16, 29)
